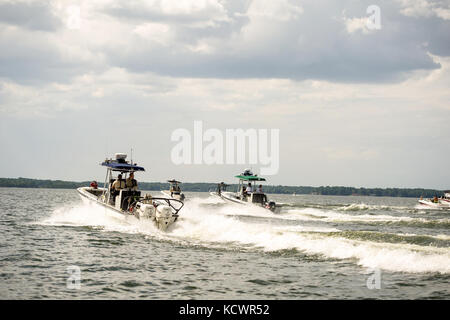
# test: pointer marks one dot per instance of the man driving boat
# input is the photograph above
(118, 184)
(131, 182)
(248, 190)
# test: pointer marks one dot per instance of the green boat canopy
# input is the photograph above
(250, 178)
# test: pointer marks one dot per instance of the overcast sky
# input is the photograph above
(356, 106)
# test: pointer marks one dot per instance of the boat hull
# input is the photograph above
(89, 199)
(230, 197)
(162, 216)
(440, 204)
(445, 202)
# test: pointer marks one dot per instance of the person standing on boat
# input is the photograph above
(131, 182)
(116, 187)
(249, 189)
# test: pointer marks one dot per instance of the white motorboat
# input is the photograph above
(445, 200)
(255, 197)
(127, 202)
(174, 191)
(442, 202)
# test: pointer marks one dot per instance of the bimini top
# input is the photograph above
(123, 167)
(250, 178)
(173, 181)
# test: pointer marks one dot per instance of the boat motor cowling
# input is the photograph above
(164, 216)
(146, 210)
(163, 211)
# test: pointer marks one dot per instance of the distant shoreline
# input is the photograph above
(204, 187)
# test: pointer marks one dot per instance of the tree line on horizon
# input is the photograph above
(205, 187)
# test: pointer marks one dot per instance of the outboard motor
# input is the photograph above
(163, 216)
(146, 211)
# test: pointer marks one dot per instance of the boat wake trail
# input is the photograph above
(206, 223)
(333, 216)
(204, 226)
(91, 215)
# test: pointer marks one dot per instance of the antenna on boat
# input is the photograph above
(131, 156)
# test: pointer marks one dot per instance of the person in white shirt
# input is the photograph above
(249, 189)
(259, 189)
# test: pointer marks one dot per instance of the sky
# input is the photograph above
(354, 105)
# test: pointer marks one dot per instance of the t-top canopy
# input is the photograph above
(115, 166)
(250, 178)
(173, 181)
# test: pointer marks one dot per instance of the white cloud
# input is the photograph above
(271, 64)
(187, 7)
(424, 8)
(281, 10)
(221, 40)
(98, 93)
(443, 13)
(198, 13)
(202, 47)
(158, 32)
(28, 102)
(355, 24)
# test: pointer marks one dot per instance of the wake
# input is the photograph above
(204, 222)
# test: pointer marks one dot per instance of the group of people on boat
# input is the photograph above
(249, 190)
(119, 184)
(435, 199)
(174, 188)
(129, 183)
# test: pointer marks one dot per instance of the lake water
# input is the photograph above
(318, 247)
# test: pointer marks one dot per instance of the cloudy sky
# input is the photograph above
(355, 105)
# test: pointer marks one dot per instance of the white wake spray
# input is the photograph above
(218, 225)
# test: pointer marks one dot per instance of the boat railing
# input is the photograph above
(169, 201)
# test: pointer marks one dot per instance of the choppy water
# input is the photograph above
(318, 247)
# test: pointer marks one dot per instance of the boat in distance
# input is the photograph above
(247, 195)
(121, 197)
(439, 203)
(174, 190)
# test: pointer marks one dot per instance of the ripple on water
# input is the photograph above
(131, 284)
(212, 255)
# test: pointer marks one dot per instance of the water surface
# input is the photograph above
(318, 247)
